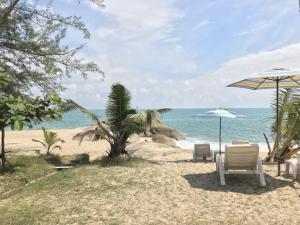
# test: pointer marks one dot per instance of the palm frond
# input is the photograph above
(39, 142)
(289, 121)
(57, 146)
(71, 105)
(118, 106)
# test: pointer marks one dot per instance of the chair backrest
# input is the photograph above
(241, 157)
(201, 150)
(240, 142)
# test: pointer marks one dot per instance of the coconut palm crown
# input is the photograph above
(50, 140)
(122, 120)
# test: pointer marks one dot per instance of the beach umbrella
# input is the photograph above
(272, 79)
(221, 113)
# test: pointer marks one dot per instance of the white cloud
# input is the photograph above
(202, 24)
(135, 19)
(211, 88)
(139, 48)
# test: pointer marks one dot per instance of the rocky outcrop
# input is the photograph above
(163, 140)
(166, 131)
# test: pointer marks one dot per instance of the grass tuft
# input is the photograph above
(80, 159)
(123, 161)
(53, 159)
(21, 170)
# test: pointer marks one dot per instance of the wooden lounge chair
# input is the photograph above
(295, 164)
(242, 159)
(240, 142)
(201, 151)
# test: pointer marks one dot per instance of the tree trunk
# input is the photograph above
(117, 149)
(3, 157)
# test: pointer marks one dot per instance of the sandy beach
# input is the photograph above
(20, 142)
(178, 191)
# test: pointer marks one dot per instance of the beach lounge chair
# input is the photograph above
(240, 142)
(295, 164)
(243, 159)
(201, 151)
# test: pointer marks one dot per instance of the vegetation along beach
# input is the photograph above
(149, 112)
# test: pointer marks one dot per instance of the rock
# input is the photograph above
(163, 140)
(166, 131)
(145, 134)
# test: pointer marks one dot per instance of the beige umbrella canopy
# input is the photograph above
(272, 79)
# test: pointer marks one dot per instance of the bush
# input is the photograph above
(53, 159)
(81, 159)
(123, 160)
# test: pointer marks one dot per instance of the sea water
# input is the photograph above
(250, 125)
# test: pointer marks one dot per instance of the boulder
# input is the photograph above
(166, 131)
(163, 140)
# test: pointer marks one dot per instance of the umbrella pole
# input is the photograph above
(220, 136)
(277, 125)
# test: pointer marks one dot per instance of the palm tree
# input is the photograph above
(289, 123)
(122, 121)
(50, 140)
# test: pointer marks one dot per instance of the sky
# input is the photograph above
(183, 54)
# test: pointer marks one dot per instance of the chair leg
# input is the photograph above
(287, 168)
(212, 156)
(261, 173)
(221, 171)
(294, 171)
(217, 166)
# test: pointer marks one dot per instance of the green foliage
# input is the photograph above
(289, 123)
(149, 116)
(53, 159)
(17, 112)
(122, 120)
(81, 159)
(125, 161)
(50, 140)
(32, 52)
(22, 169)
(118, 107)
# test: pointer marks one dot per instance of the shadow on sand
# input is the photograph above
(239, 183)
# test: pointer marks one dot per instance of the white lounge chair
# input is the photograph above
(201, 151)
(243, 159)
(295, 164)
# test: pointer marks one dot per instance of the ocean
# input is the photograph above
(250, 125)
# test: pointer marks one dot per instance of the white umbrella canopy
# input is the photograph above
(221, 113)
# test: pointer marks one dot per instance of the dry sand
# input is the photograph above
(187, 191)
(20, 142)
